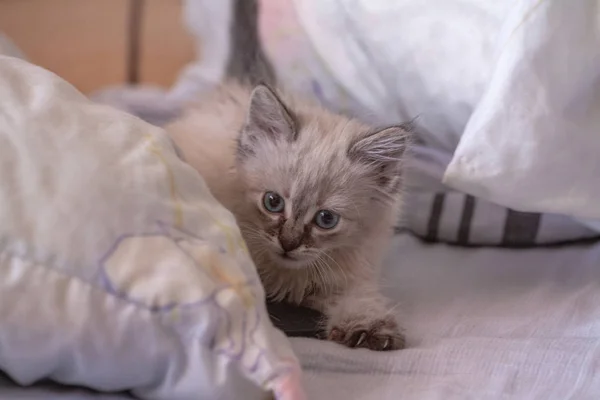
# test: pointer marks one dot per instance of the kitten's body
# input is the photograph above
(248, 142)
(314, 168)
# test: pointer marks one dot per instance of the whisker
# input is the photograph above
(339, 267)
(319, 271)
(326, 276)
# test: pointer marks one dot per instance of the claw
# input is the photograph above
(361, 338)
(386, 344)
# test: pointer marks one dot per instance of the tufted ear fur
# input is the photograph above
(382, 152)
(268, 119)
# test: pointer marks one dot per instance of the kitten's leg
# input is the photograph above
(361, 317)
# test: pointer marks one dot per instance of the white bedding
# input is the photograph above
(481, 324)
(532, 142)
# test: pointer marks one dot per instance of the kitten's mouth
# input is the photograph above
(290, 261)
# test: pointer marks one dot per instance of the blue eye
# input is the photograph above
(273, 202)
(326, 219)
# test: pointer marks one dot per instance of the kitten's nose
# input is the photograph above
(288, 244)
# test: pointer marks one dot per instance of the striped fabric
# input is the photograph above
(438, 214)
(461, 219)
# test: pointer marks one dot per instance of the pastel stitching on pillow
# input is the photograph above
(233, 240)
(157, 151)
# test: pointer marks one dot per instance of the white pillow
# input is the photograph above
(118, 269)
(533, 143)
(404, 58)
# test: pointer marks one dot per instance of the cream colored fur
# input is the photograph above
(322, 162)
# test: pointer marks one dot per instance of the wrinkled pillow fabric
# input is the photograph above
(533, 142)
(118, 269)
(396, 60)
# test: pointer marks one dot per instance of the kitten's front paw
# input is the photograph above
(378, 335)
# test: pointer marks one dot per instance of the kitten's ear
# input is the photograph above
(268, 118)
(382, 152)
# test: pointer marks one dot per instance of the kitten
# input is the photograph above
(315, 195)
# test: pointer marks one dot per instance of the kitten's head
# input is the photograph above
(314, 181)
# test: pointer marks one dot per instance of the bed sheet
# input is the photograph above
(481, 324)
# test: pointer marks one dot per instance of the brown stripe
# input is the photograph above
(464, 229)
(520, 228)
(136, 8)
(550, 245)
(434, 218)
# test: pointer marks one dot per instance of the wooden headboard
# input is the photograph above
(96, 43)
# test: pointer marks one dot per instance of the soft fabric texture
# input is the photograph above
(533, 142)
(118, 269)
(404, 59)
(481, 324)
(436, 212)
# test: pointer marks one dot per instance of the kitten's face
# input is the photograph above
(315, 182)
